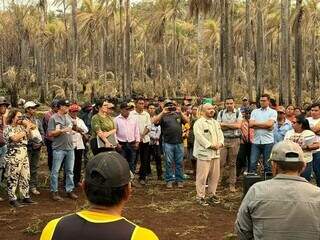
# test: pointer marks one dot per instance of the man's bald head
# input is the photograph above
(208, 110)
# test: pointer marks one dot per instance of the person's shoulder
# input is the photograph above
(141, 233)
(48, 231)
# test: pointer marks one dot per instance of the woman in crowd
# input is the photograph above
(302, 135)
(16, 134)
(103, 128)
(290, 113)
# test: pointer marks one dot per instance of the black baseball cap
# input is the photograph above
(63, 102)
(125, 105)
(111, 166)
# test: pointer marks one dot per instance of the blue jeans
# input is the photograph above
(256, 151)
(316, 166)
(173, 154)
(307, 172)
(60, 156)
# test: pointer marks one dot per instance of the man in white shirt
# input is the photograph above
(144, 123)
(314, 122)
(79, 132)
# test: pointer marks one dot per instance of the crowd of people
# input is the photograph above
(221, 142)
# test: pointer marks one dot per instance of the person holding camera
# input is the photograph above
(16, 134)
(34, 144)
(171, 120)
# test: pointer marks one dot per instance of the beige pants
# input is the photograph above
(228, 158)
(208, 171)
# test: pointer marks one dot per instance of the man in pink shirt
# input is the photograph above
(127, 134)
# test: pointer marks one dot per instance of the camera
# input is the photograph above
(172, 108)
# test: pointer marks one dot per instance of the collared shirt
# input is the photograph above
(76, 136)
(280, 131)
(206, 133)
(246, 132)
(307, 137)
(144, 121)
(154, 134)
(230, 117)
(127, 129)
(313, 122)
(263, 136)
(45, 123)
(285, 207)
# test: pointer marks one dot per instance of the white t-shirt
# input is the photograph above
(307, 137)
(313, 122)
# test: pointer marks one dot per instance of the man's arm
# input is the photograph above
(264, 125)
(244, 224)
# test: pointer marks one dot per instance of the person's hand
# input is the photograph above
(66, 130)
(165, 110)
(136, 146)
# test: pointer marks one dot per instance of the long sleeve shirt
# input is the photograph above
(127, 129)
(285, 207)
(76, 136)
(207, 132)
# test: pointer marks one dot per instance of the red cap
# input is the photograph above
(74, 108)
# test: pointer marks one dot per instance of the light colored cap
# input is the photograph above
(281, 109)
(30, 104)
(286, 151)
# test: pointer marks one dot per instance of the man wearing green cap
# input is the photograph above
(108, 188)
(285, 207)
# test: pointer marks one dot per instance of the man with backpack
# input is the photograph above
(230, 121)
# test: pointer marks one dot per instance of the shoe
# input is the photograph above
(213, 200)
(56, 197)
(232, 189)
(142, 182)
(169, 185)
(72, 195)
(202, 202)
(180, 185)
(136, 184)
(15, 204)
(1, 199)
(28, 201)
(34, 191)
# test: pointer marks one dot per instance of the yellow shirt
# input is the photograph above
(96, 217)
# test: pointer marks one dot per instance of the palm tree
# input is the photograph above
(285, 52)
(199, 9)
(298, 52)
(74, 49)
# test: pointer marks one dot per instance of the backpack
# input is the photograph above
(237, 113)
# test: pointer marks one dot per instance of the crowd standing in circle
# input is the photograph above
(216, 139)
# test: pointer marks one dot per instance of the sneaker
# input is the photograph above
(28, 201)
(180, 185)
(213, 200)
(202, 202)
(15, 204)
(136, 184)
(72, 195)
(56, 197)
(142, 182)
(34, 191)
(169, 185)
(1, 199)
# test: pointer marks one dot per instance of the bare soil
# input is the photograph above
(172, 214)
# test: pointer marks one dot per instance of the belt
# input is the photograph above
(232, 137)
(123, 143)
